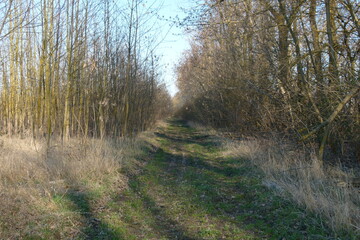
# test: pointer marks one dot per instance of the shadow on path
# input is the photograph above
(227, 191)
(163, 223)
(93, 228)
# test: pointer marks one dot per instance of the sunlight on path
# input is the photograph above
(188, 190)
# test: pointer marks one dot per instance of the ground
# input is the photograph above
(184, 187)
(187, 190)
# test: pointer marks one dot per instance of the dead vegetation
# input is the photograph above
(33, 178)
(293, 171)
(328, 191)
(268, 66)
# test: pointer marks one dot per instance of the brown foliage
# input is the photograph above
(288, 66)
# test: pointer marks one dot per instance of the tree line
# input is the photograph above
(78, 68)
(275, 65)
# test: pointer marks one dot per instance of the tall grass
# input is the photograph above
(294, 172)
(32, 175)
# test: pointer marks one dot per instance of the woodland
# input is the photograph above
(276, 65)
(77, 68)
(72, 68)
(262, 140)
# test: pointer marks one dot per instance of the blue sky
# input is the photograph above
(170, 40)
(175, 41)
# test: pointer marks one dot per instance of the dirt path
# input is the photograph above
(188, 190)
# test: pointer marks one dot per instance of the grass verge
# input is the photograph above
(61, 191)
(297, 175)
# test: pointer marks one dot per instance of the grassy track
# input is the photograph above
(187, 190)
(182, 188)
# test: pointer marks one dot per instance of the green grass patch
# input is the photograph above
(210, 197)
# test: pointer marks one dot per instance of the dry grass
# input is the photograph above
(295, 172)
(32, 174)
(202, 128)
(291, 172)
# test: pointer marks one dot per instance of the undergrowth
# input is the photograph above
(294, 174)
(58, 192)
